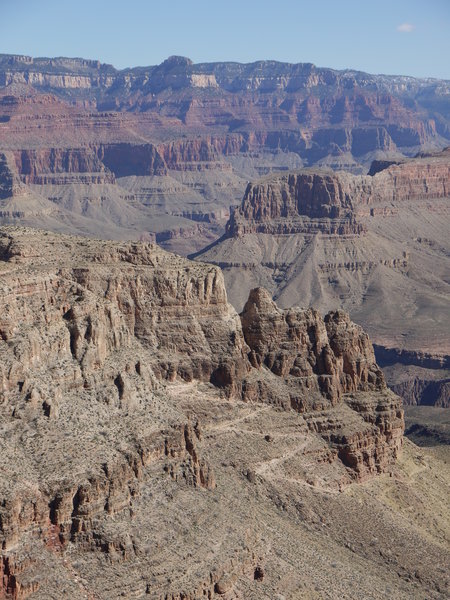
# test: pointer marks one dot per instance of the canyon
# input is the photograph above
(174, 145)
(139, 410)
(165, 153)
(375, 245)
(190, 258)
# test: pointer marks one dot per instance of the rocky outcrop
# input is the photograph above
(60, 165)
(422, 178)
(332, 356)
(159, 288)
(188, 465)
(330, 203)
(174, 308)
(427, 392)
(102, 346)
(180, 311)
(319, 363)
(297, 203)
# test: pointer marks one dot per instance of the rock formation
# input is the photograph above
(103, 347)
(328, 203)
(354, 241)
(180, 139)
(155, 443)
(58, 166)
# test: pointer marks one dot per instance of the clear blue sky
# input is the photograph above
(410, 37)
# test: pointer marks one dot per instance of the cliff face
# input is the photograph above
(303, 203)
(57, 165)
(299, 108)
(332, 356)
(330, 203)
(177, 309)
(366, 96)
(7, 187)
(320, 363)
(424, 392)
(155, 288)
(92, 336)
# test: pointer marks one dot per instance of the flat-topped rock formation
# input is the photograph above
(303, 203)
(328, 203)
(124, 374)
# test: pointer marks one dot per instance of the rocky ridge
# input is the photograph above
(92, 337)
(329, 203)
(354, 241)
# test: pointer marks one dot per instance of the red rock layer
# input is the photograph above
(40, 166)
(311, 201)
(297, 108)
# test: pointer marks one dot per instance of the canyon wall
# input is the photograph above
(102, 328)
(375, 245)
(179, 139)
(314, 112)
(331, 202)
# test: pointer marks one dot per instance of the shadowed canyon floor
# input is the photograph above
(155, 444)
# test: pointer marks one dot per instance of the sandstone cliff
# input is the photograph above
(59, 165)
(317, 201)
(103, 346)
(348, 105)
(180, 139)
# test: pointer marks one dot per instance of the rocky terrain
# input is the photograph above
(139, 412)
(156, 443)
(162, 152)
(376, 245)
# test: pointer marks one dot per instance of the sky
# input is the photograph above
(398, 37)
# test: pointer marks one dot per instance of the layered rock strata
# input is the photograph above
(92, 336)
(338, 111)
(60, 165)
(331, 356)
(330, 203)
(7, 187)
(318, 364)
(426, 392)
(184, 138)
(375, 245)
